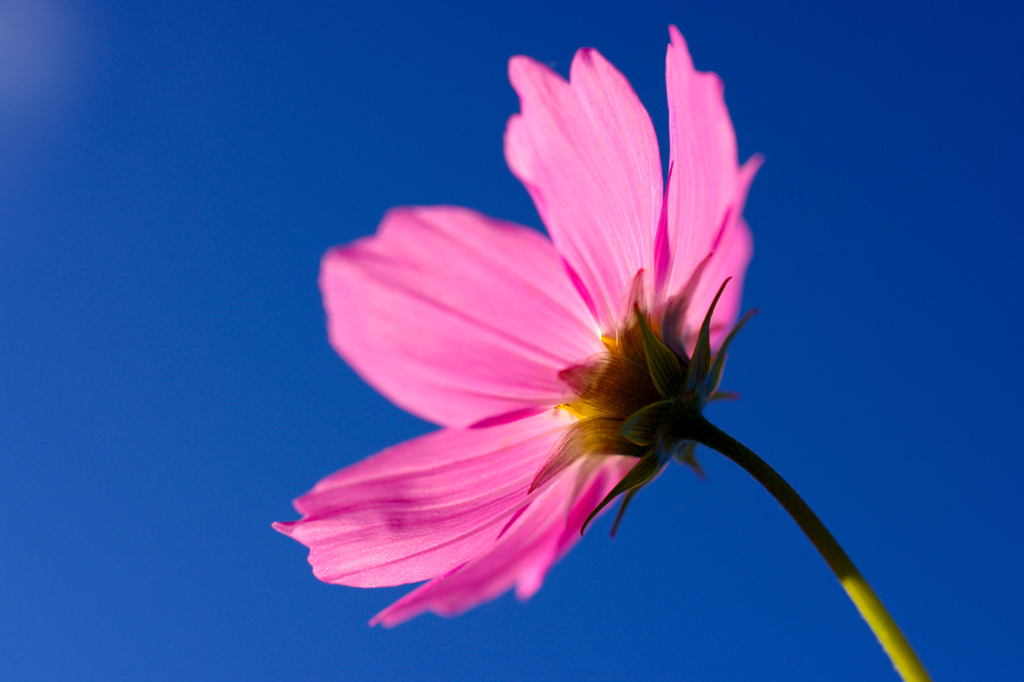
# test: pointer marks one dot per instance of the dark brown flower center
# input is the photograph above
(609, 390)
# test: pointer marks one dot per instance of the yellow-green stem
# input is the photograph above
(870, 606)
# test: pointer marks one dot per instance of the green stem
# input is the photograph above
(870, 606)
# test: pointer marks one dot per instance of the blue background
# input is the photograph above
(170, 174)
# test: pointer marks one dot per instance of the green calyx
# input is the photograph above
(644, 401)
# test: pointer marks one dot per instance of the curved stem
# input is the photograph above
(870, 606)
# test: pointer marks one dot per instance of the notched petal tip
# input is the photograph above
(749, 169)
(284, 527)
(677, 39)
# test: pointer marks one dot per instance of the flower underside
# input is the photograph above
(638, 398)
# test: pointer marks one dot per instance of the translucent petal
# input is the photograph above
(587, 153)
(456, 317)
(422, 508)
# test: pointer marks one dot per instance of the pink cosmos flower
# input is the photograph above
(487, 328)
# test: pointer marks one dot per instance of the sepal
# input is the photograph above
(642, 427)
(661, 361)
(715, 376)
(700, 363)
(649, 466)
(686, 454)
(592, 435)
(626, 499)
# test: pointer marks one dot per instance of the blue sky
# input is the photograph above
(171, 173)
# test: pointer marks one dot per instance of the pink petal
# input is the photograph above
(587, 153)
(548, 529)
(734, 250)
(707, 191)
(454, 316)
(422, 508)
